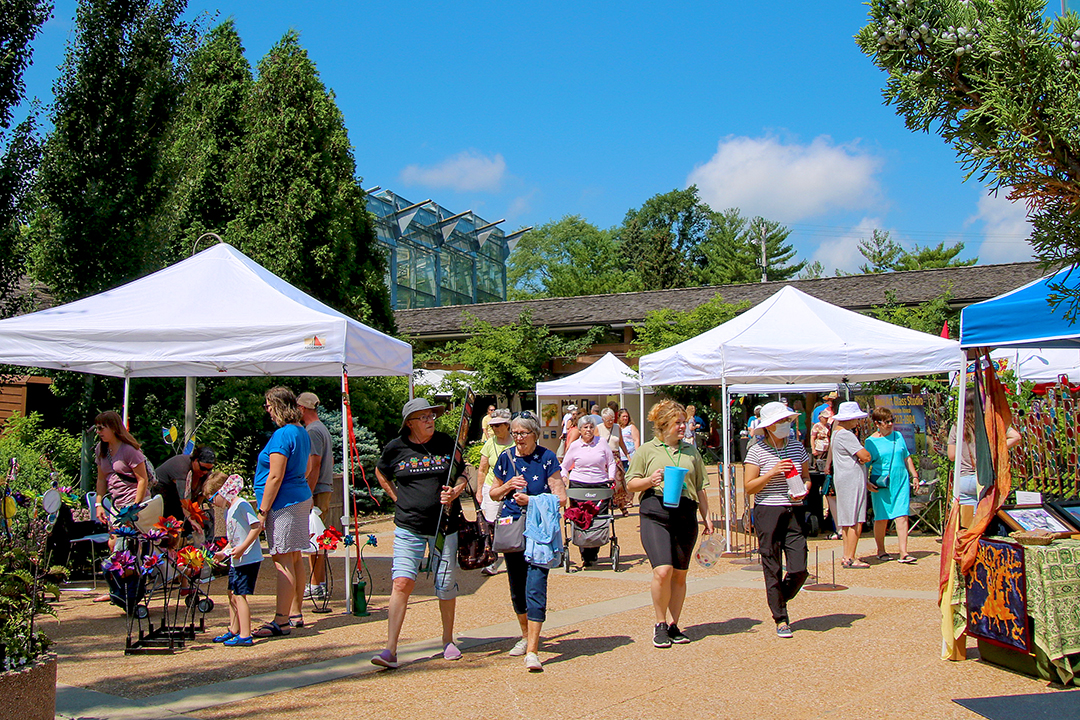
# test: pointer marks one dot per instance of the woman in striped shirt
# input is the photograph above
(778, 507)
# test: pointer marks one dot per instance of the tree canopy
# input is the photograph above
(997, 80)
(883, 254)
(663, 328)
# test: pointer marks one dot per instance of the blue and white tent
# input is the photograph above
(1023, 317)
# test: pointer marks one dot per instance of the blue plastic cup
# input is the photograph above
(674, 477)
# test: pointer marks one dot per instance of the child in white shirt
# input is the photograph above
(242, 528)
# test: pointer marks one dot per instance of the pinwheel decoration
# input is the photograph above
(122, 562)
(329, 539)
(125, 532)
(128, 515)
(151, 561)
(194, 512)
(372, 541)
(169, 525)
(191, 558)
(155, 534)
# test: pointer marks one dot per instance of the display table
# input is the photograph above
(1052, 576)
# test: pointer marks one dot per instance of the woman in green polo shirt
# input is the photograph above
(669, 534)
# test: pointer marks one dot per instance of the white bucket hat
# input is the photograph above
(849, 411)
(774, 412)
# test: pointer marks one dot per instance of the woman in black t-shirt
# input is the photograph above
(413, 470)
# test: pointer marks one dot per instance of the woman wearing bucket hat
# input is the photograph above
(849, 458)
(668, 533)
(499, 442)
(413, 470)
(777, 509)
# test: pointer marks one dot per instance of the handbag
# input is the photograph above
(510, 534)
(474, 540)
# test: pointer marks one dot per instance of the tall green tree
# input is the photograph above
(204, 141)
(301, 211)
(660, 237)
(566, 258)
(997, 80)
(510, 358)
(20, 148)
(100, 184)
(883, 254)
(731, 250)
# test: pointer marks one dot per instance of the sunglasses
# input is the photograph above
(524, 414)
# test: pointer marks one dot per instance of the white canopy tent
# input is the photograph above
(607, 376)
(218, 313)
(794, 338)
(1040, 364)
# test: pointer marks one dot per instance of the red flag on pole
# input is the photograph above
(945, 330)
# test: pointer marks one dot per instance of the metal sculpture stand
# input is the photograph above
(820, 586)
(322, 605)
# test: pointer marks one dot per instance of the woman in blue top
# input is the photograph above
(283, 498)
(891, 473)
(522, 471)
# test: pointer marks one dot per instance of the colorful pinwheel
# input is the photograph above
(194, 512)
(155, 534)
(150, 562)
(170, 525)
(190, 558)
(372, 541)
(120, 562)
(329, 539)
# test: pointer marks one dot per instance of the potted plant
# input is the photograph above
(27, 589)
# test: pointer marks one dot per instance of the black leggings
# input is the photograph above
(781, 537)
(668, 534)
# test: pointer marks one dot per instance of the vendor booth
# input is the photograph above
(792, 338)
(606, 378)
(1020, 600)
(218, 313)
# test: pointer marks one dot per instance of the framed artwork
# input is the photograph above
(1069, 511)
(997, 595)
(1034, 517)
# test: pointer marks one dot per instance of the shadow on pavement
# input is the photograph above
(733, 626)
(567, 648)
(823, 623)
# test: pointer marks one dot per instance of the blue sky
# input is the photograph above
(531, 111)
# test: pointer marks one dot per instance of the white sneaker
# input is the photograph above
(532, 663)
(519, 648)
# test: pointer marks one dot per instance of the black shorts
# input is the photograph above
(242, 579)
(668, 534)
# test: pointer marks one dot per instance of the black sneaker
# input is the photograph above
(660, 637)
(676, 635)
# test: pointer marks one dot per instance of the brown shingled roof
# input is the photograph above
(855, 292)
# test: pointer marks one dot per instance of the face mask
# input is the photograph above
(780, 429)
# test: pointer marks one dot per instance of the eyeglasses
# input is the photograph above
(520, 433)
(426, 417)
(524, 415)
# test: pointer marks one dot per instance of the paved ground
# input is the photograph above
(868, 651)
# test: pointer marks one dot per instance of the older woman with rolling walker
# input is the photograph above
(669, 533)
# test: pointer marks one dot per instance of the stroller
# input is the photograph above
(600, 532)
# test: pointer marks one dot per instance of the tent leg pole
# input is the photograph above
(127, 399)
(961, 381)
(345, 495)
(412, 389)
(641, 412)
(726, 504)
(189, 409)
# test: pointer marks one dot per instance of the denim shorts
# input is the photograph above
(242, 579)
(967, 489)
(410, 551)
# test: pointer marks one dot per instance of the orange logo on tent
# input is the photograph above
(313, 342)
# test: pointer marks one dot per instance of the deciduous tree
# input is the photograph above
(566, 258)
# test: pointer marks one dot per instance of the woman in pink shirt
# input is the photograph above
(589, 463)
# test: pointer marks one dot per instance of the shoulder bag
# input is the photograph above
(474, 540)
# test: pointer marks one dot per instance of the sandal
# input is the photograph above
(227, 635)
(852, 563)
(296, 621)
(884, 557)
(271, 629)
(909, 559)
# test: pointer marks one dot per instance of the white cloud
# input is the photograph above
(787, 182)
(467, 171)
(1006, 229)
(521, 205)
(842, 252)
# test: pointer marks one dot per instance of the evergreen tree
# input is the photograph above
(660, 237)
(813, 271)
(20, 149)
(204, 141)
(100, 184)
(731, 252)
(301, 211)
(881, 253)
